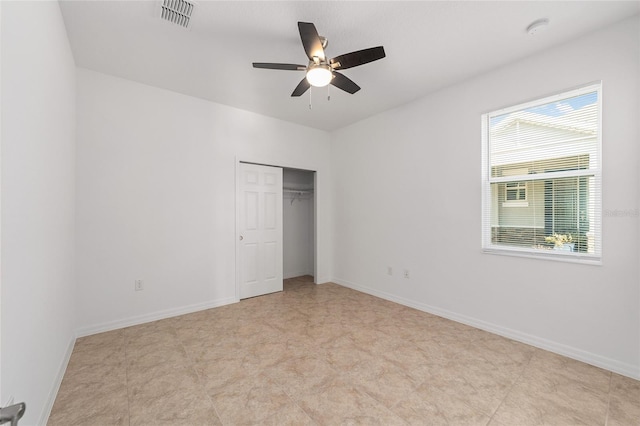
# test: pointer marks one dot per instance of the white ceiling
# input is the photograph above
(429, 45)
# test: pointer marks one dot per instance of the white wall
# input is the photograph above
(408, 186)
(156, 197)
(38, 154)
(297, 215)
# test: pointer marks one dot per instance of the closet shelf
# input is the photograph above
(297, 191)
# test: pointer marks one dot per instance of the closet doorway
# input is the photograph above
(298, 214)
(274, 241)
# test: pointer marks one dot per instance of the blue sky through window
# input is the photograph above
(555, 109)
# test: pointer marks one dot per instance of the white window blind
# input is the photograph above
(541, 174)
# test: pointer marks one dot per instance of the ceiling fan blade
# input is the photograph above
(271, 66)
(345, 83)
(311, 40)
(302, 87)
(360, 57)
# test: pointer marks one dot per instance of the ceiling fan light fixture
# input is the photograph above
(319, 75)
(320, 71)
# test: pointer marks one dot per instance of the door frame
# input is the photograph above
(282, 165)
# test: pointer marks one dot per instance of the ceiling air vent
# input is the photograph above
(177, 12)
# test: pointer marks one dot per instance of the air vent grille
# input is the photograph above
(177, 12)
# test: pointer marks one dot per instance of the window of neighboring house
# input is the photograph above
(515, 191)
(544, 157)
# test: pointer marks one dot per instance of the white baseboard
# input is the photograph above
(153, 316)
(46, 410)
(616, 366)
(323, 280)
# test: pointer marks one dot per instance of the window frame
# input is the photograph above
(486, 213)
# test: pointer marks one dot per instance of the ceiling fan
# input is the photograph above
(322, 71)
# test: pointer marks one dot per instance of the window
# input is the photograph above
(515, 191)
(544, 157)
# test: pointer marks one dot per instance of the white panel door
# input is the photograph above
(260, 229)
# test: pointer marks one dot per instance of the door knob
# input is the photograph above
(241, 238)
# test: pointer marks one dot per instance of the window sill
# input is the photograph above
(515, 204)
(554, 255)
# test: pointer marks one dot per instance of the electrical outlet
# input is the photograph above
(406, 273)
(138, 285)
(389, 270)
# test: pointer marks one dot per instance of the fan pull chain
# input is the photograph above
(310, 107)
(328, 92)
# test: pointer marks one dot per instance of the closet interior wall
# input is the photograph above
(298, 222)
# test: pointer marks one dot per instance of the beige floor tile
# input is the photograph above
(346, 356)
(303, 374)
(345, 404)
(501, 350)
(136, 332)
(411, 359)
(149, 339)
(557, 368)
(439, 346)
(223, 372)
(265, 355)
(555, 397)
(162, 379)
(624, 403)
(523, 408)
(202, 328)
(289, 415)
(100, 343)
(250, 400)
(139, 360)
(432, 405)
(397, 328)
(325, 355)
(483, 375)
(94, 388)
(480, 385)
(111, 412)
(169, 394)
(97, 366)
(386, 383)
(177, 407)
(109, 354)
(90, 403)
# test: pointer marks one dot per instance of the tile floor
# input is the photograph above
(328, 355)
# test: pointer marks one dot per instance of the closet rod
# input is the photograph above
(298, 191)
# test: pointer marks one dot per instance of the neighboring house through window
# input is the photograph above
(542, 177)
(515, 191)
